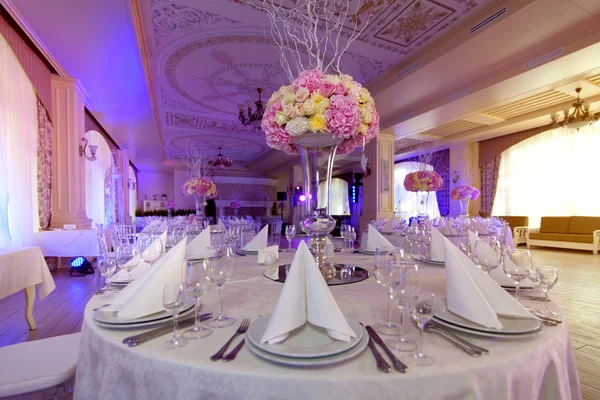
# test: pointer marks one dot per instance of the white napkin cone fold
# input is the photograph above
(474, 295)
(437, 245)
(389, 227)
(305, 297)
(376, 239)
(143, 296)
(198, 247)
(262, 253)
(259, 241)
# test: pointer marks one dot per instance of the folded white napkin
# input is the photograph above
(474, 295)
(259, 241)
(143, 296)
(249, 218)
(477, 227)
(437, 245)
(221, 224)
(436, 221)
(199, 246)
(497, 222)
(451, 230)
(443, 227)
(389, 227)
(305, 297)
(329, 248)
(376, 239)
(262, 253)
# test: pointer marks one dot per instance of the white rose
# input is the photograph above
(302, 94)
(299, 109)
(309, 107)
(280, 118)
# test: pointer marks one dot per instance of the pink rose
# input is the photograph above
(340, 89)
(327, 89)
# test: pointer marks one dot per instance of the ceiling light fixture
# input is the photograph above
(579, 118)
(252, 118)
(220, 161)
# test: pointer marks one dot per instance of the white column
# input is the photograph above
(68, 168)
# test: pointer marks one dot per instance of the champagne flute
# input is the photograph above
(197, 282)
(517, 266)
(150, 248)
(404, 286)
(547, 278)
(351, 238)
(174, 301)
(128, 256)
(486, 257)
(221, 271)
(290, 233)
(422, 312)
(385, 259)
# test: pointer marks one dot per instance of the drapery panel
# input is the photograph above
(489, 183)
(338, 199)
(95, 175)
(44, 166)
(550, 174)
(18, 153)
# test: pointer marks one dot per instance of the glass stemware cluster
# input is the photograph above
(348, 233)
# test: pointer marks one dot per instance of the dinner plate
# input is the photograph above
(308, 341)
(490, 334)
(110, 318)
(363, 251)
(513, 287)
(312, 362)
(249, 252)
(428, 261)
(510, 326)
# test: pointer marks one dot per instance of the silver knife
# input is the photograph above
(167, 327)
(382, 365)
(398, 365)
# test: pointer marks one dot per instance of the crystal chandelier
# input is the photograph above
(579, 118)
(252, 118)
(219, 161)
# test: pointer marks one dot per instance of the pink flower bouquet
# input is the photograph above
(464, 192)
(199, 186)
(318, 103)
(423, 181)
(170, 204)
(235, 204)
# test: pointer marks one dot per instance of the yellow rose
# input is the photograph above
(367, 114)
(309, 107)
(363, 128)
(365, 97)
(317, 123)
(333, 79)
(280, 118)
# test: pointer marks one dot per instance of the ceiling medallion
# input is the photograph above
(579, 118)
(253, 118)
(220, 161)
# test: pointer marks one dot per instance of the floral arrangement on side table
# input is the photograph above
(316, 102)
(423, 181)
(464, 192)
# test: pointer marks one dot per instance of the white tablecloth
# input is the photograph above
(542, 367)
(22, 268)
(83, 242)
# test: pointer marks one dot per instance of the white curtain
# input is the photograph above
(551, 174)
(132, 194)
(18, 153)
(407, 202)
(338, 200)
(94, 177)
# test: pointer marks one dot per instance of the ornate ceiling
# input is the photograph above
(208, 56)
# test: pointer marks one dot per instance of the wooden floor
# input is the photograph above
(578, 292)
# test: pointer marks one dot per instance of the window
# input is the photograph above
(95, 172)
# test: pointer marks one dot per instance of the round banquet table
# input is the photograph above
(542, 367)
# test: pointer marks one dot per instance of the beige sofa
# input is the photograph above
(519, 226)
(579, 233)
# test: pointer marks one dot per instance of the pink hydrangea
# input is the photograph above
(464, 192)
(310, 79)
(423, 181)
(343, 117)
(199, 186)
(276, 135)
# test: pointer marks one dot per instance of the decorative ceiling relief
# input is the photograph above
(368, 68)
(186, 121)
(169, 18)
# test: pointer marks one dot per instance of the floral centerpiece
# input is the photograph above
(170, 205)
(323, 104)
(199, 187)
(423, 182)
(235, 204)
(464, 193)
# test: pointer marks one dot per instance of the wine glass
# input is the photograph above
(290, 233)
(422, 311)
(517, 266)
(107, 266)
(221, 271)
(232, 236)
(197, 282)
(344, 235)
(411, 235)
(486, 256)
(128, 256)
(150, 247)
(404, 286)
(547, 278)
(385, 259)
(351, 239)
(174, 301)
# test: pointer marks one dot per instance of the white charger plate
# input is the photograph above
(510, 326)
(488, 334)
(363, 251)
(308, 341)
(312, 362)
(428, 261)
(110, 318)
(249, 252)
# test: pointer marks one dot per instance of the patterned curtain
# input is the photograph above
(44, 167)
(489, 183)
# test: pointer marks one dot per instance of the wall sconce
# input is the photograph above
(84, 146)
(131, 184)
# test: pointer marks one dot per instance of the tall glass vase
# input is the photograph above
(317, 153)
(423, 199)
(199, 203)
(464, 207)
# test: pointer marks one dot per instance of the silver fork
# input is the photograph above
(240, 330)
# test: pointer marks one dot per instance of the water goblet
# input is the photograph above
(351, 238)
(221, 271)
(404, 286)
(174, 301)
(422, 311)
(150, 248)
(486, 256)
(290, 233)
(517, 266)
(385, 259)
(411, 235)
(128, 257)
(107, 266)
(234, 235)
(197, 282)
(344, 235)
(547, 278)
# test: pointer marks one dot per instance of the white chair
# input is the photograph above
(125, 229)
(37, 365)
